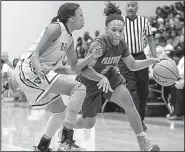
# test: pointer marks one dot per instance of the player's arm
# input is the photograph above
(64, 70)
(51, 34)
(78, 65)
(91, 74)
(88, 71)
(135, 65)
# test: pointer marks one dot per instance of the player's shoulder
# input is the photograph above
(100, 40)
(53, 30)
(54, 27)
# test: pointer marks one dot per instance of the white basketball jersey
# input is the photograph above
(55, 53)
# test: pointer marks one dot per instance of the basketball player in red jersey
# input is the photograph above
(102, 78)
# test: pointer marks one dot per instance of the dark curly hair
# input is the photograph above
(111, 8)
(112, 12)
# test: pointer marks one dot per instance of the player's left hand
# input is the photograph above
(104, 83)
(97, 52)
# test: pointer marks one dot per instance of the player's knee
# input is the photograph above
(77, 94)
(90, 122)
(79, 88)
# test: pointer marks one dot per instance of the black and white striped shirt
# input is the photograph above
(134, 32)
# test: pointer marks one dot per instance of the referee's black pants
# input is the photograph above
(137, 84)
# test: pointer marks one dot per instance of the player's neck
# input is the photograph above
(69, 28)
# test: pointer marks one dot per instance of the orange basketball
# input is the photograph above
(165, 72)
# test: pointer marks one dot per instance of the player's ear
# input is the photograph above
(72, 19)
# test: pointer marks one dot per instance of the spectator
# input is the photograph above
(5, 58)
(166, 35)
(97, 33)
(179, 6)
(15, 61)
(174, 39)
(167, 27)
(158, 12)
(161, 47)
(86, 41)
(9, 82)
(81, 52)
(179, 49)
(6, 74)
(177, 94)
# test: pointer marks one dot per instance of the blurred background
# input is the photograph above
(22, 23)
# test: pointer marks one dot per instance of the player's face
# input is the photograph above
(131, 8)
(79, 19)
(114, 31)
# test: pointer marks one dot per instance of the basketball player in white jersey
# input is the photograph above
(40, 77)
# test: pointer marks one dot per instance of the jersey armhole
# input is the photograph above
(60, 31)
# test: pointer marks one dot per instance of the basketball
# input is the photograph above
(165, 72)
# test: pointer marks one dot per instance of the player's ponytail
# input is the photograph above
(112, 12)
(54, 19)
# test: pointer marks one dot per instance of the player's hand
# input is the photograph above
(155, 61)
(43, 70)
(179, 84)
(97, 52)
(104, 83)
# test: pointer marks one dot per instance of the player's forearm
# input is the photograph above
(64, 70)
(91, 74)
(152, 46)
(35, 60)
(141, 64)
(83, 63)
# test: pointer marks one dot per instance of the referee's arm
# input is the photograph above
(149, 35)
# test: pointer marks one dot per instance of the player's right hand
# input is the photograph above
(104, 83)
(97, 52)
(43, 70)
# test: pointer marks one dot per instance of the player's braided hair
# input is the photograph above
(112, 12)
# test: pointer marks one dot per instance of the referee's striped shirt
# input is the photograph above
(134, 32)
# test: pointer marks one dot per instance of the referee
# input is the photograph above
(136, 29)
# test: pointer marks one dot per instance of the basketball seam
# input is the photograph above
(168, 69)
(163, 83)
(162, 76)
(175, 67)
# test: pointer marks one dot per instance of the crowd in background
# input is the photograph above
(168, 28)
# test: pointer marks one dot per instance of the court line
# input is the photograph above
(14, 147)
